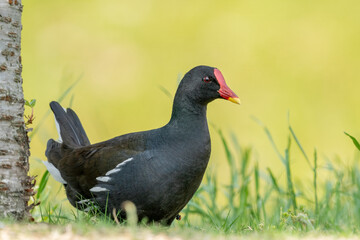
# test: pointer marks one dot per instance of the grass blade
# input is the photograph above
(274, 181)
(299, 145)
(315, 184)
(257, 191)
(290, 184)
(268, 134)
(356, 143)
(165, 91)
(43, 183)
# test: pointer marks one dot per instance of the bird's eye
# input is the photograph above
(206, 79)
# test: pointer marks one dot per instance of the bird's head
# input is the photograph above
(205, 84)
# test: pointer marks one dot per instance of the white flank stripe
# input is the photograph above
(103, 179)
(113, 171)
(84, 201)
(122, 164)
(99, 189)
(54, 172)
(58, 130)
(118, 167)
(87, 209)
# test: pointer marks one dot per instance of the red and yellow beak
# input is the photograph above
(225, 91)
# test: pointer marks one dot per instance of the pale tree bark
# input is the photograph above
(15, 185)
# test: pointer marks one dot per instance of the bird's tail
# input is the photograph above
(71, 134)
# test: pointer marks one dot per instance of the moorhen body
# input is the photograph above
(158, 170)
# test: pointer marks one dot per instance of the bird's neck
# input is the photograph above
(188, 129)
(187, 112)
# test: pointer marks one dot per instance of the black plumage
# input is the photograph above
(158, 170)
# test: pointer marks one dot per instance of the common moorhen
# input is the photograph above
(158, 170)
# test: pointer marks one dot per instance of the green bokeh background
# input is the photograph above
(301, 57)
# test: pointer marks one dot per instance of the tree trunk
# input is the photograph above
(15, 185)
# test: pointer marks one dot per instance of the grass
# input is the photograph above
(256, 201)
(333, 207)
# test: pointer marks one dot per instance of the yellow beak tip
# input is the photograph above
(234, 100)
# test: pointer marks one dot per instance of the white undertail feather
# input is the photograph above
(58, 130)
(54, 172)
